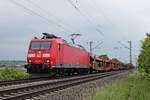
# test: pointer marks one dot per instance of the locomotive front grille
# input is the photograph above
(37, 68)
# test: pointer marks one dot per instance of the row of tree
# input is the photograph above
(105, 57)
(144, 57)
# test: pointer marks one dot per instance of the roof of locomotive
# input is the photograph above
(46, 40)
(58, 40)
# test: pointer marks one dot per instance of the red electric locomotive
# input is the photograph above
(52, 54)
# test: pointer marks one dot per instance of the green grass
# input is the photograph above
(12, 74)
(135, 87)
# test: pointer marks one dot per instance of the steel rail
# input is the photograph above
(28, 80)
(14, 82)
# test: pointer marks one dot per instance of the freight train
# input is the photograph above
(54, 55)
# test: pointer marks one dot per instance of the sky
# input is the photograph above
(107, 21)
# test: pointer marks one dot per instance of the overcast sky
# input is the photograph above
(118, 20)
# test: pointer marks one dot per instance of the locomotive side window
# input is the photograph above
(40, 45)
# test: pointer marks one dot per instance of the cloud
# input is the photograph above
(119, 20)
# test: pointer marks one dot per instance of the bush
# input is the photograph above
(144, 57)
(12, 74)
(135, 87)
(104, 57)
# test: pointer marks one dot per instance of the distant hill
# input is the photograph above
(14, 63)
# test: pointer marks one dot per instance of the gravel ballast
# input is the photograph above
(84, 91)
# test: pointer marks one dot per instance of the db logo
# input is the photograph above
(38, 55)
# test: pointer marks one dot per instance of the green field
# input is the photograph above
(135, 87)
(12, 74)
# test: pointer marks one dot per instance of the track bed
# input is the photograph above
(28, 91)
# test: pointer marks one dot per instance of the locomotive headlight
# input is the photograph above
(31, 55)
(47, 61)
(46, 55)
(30, 61)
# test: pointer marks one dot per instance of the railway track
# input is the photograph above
(29, 80)
(41, 88)
(15, 82)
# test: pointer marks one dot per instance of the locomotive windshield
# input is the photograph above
(40, 45)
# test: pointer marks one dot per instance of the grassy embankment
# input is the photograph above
(12, 74)
(135, 87)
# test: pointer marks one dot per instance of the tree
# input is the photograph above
(104, 57)
(144, 57)
(115, 60)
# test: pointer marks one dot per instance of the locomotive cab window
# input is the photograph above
(40, 45)
(45, 45)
